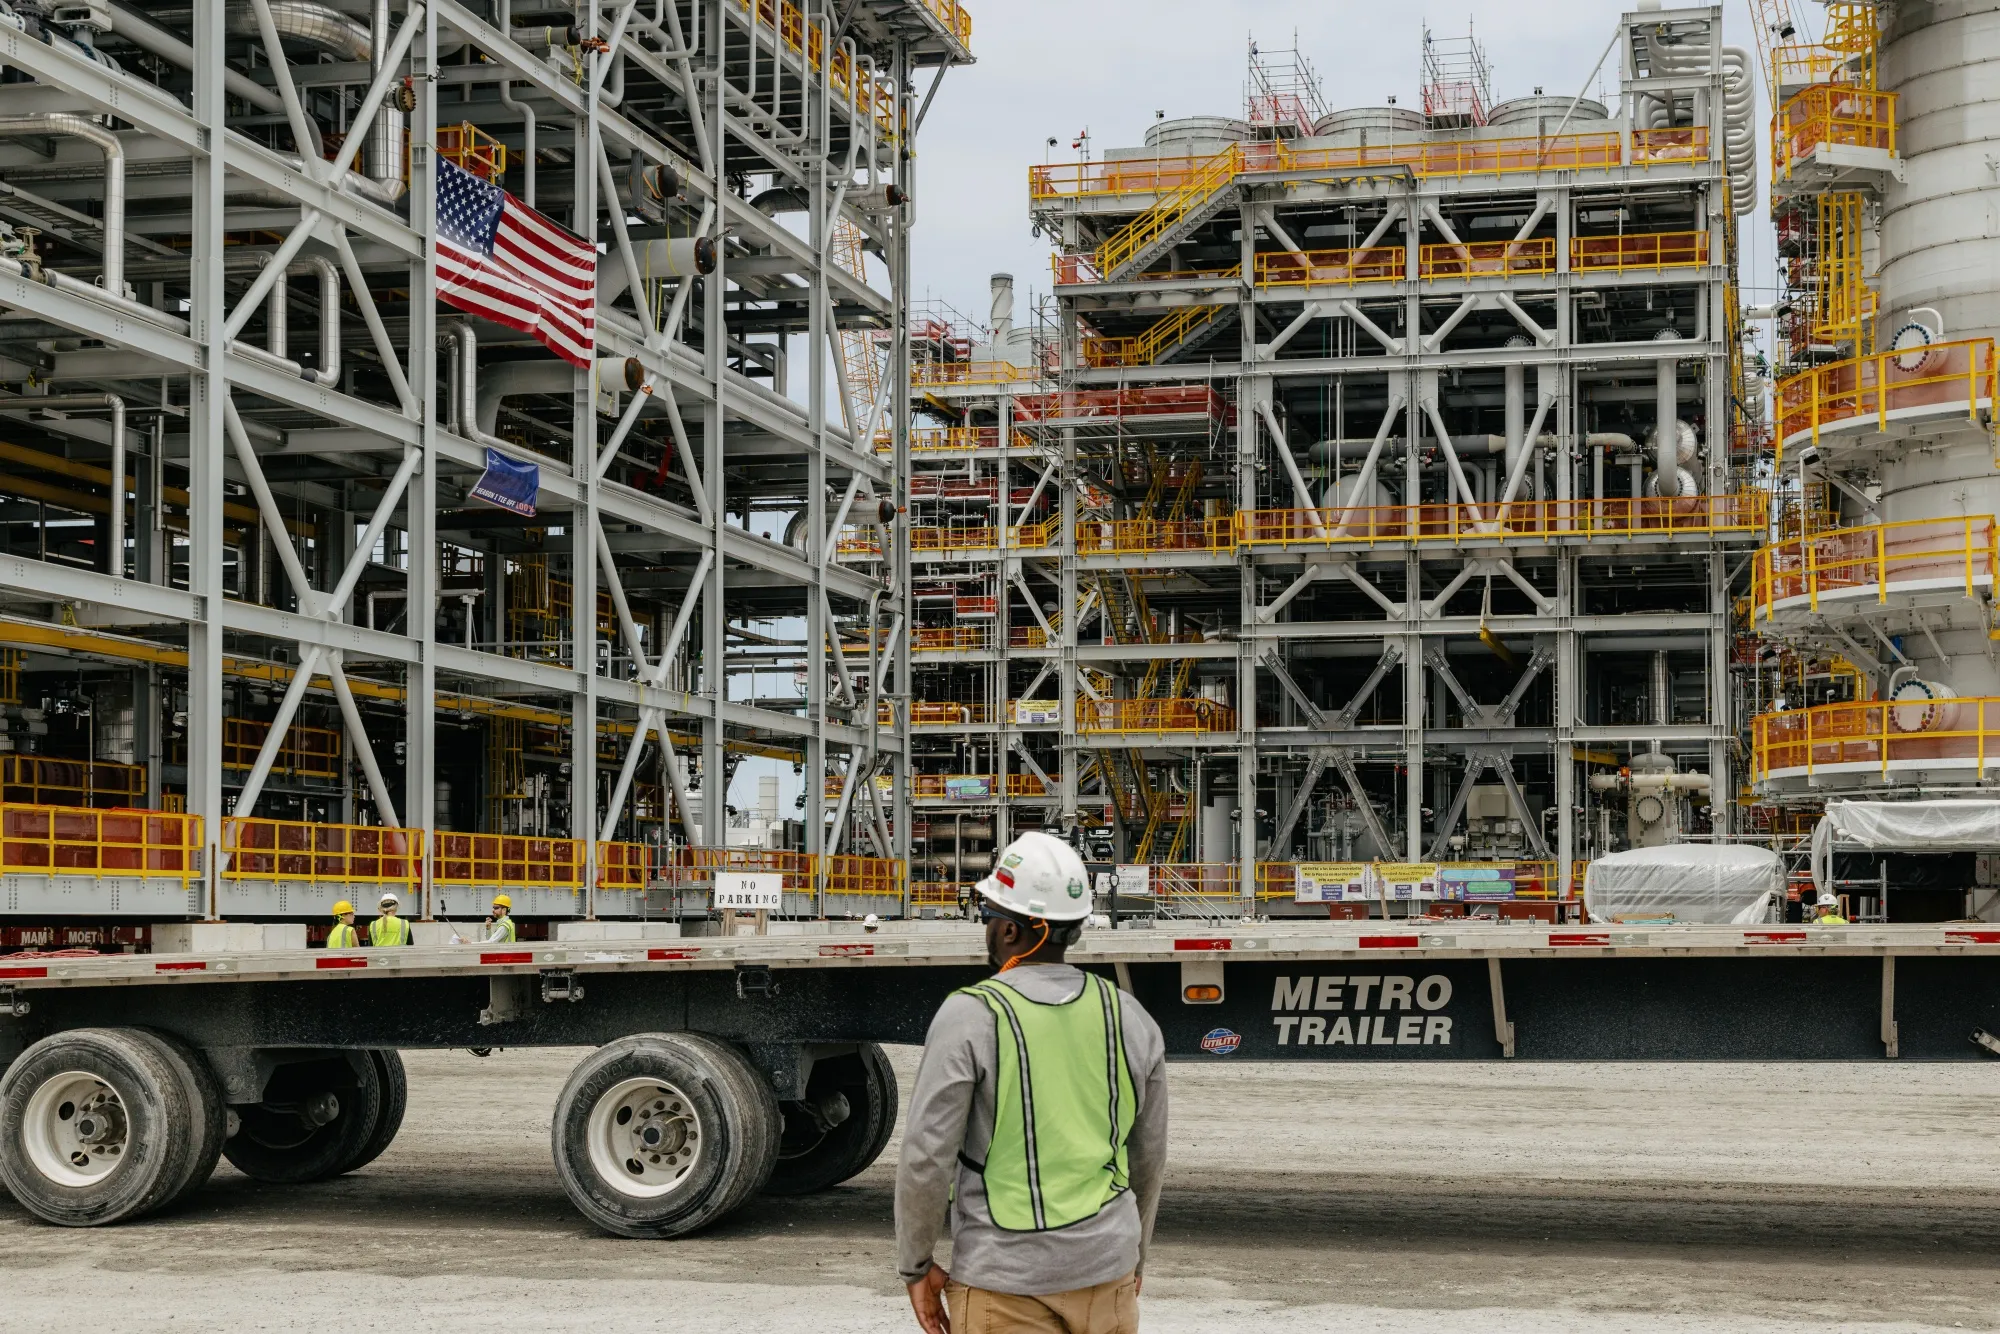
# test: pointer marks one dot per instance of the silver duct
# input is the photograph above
(307, 21)
(386, 132)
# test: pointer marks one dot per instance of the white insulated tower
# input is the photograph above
(1903, 433)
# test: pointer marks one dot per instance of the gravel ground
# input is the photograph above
(1631, 1199)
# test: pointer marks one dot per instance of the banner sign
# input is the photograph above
(968, 788)
(508, 485)
(1135, 880)
(1331, 882)
(1037, 712)
(1404, 881)
(1477, 883)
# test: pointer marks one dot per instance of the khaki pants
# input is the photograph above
(1108, 1308)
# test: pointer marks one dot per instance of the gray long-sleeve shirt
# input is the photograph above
(951, 1110)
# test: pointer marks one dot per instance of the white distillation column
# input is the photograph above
(1940, 281)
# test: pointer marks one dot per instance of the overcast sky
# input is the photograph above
(1056, 67)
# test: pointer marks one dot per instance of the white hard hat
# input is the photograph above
(1039, 875)
(390, 900)
(1827, 900)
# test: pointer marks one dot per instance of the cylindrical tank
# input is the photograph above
(1528, 113)
(1218, 828)
(1941, 224)
(1359, 126)
(1195, 136)
(441, 797)
(1940, 280)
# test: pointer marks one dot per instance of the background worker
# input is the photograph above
(389, 929)
(343, 936)
(1827, 911)
(1049, 1231)
(500, 922)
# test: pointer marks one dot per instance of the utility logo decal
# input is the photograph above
(1221, 1041)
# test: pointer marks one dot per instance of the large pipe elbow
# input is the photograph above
(83, 127)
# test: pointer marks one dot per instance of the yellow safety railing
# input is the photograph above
(1332, 268)
(954, 16)
(860, 543)
(953, 440)
(624, 866)
(1072, 269)
(1148, 536)
(943, 374)
(945, 638)
(934, 713)
(1908, 733)
(1030, 535)
(866, 877)
(1154, 715)
(1200, 186)
(1923, 554)
(691, 866)
(255, 849)
(1638, 252)
(936, 894)
(1489, 259)
(507, 859)
(1461, 157)
(809, 40)
(1941, 377)
(1831, 113)
(1740, 512)
(75, 840)
(308, 752)
(1146, 348)
(43, 780)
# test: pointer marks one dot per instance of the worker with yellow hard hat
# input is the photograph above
(390, 928)
(500, 922)
(343, 936)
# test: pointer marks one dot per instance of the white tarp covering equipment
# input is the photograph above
(1903, 826)
(1687, 882)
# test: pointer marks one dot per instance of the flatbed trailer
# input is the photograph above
(728, 1065)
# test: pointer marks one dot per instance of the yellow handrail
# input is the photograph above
(1932, 553)
(1884, 735)
(1942, 376)
(80, 840)
(258, 849)
(1363, 525)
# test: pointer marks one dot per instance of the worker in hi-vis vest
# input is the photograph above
(1826, 912)
(1038, 1124)
(343, 936)
(389, 928)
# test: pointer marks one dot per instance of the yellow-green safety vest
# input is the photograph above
(507, 924)
(389, 931)
(1063, 1107)
(343, 937)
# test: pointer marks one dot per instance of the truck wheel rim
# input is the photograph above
(645, 1138)
(76, 1130)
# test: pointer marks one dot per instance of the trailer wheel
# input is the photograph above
(395, 1100)
(95, 1127)
(314, 1123)
(658, 1135)
(840, 1126)
(208, 1115)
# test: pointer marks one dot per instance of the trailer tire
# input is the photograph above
(283, 1139)
(660, 1134)
(209, 1117)
(814, 1155)
(95, 1127)
(395, 1100)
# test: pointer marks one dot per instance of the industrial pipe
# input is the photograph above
(306, 21)
(385, 133)
(467, 392)
(147, 37)
(83, 127)
(1667, 444)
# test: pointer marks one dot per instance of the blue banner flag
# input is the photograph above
(511, 486)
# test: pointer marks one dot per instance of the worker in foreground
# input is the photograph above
(389, 928)
(1827, 911)
(343, 936)
(1038, 1124)
(500, 921)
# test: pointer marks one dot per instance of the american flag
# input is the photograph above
(500, 259)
